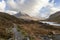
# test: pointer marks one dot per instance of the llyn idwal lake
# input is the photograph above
(51, 23)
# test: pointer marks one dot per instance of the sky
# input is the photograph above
(34, 8)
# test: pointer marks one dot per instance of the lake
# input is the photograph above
(51, 23)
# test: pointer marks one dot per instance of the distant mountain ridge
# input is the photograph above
(20, 14)
(25, 16)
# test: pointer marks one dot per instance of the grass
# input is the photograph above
(32, 29)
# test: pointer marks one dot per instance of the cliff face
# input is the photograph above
(31, 29)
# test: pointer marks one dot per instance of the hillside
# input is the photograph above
(55, 17)
(31, 29)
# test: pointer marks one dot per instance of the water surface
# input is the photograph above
(51, 23)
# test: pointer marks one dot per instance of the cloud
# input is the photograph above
(53, 8)
(10, 12)
(49, 9)
(31, 7)
(2, 5)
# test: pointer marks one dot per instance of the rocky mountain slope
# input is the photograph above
(25, 16)
(31, 29)
(55, 17)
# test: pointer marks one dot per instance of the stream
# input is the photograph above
(17, 34)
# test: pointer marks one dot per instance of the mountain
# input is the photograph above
(10, 17)
(55, 17)
(10, 27)
(26, 16)
(20, 14)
